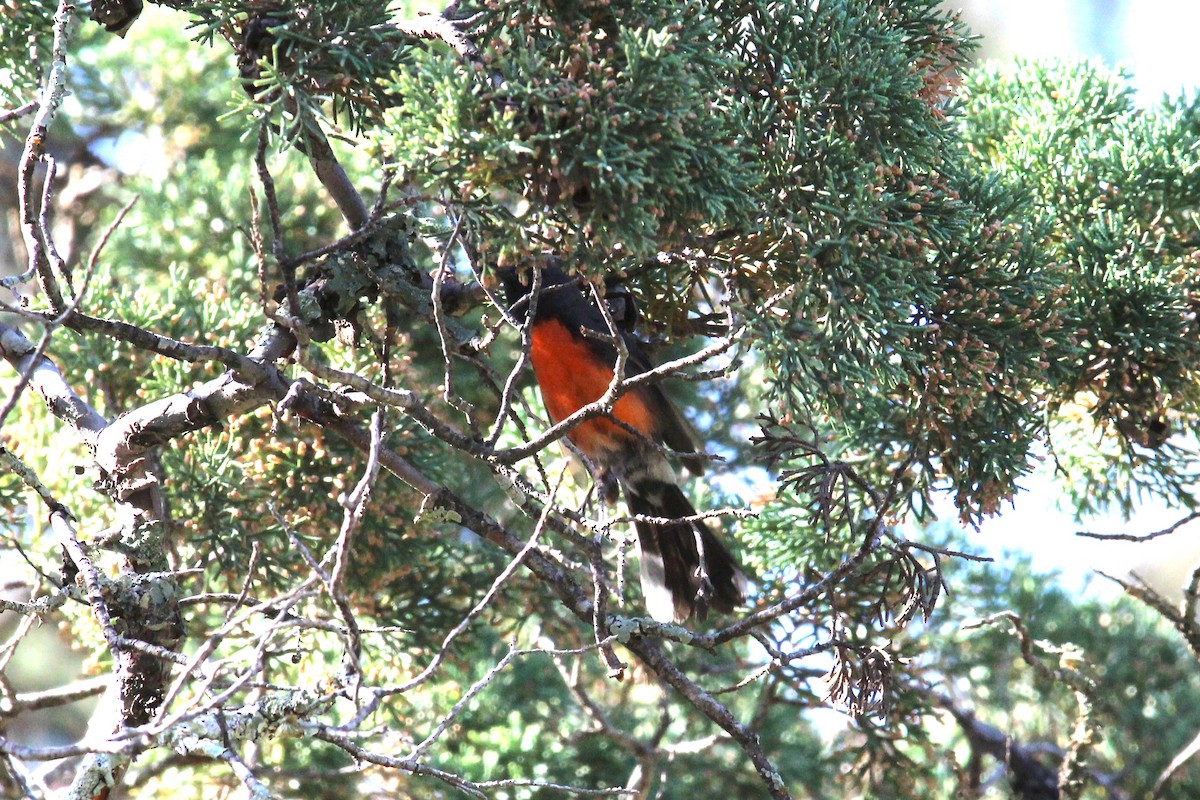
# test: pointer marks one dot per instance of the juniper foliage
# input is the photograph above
(928, 278)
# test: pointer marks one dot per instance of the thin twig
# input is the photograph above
(1143, 537)
(18, 112)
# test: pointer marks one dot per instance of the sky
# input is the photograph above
(1156, 39)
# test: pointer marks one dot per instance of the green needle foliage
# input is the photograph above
(1120, 184)
(609, 123)
(928, 279)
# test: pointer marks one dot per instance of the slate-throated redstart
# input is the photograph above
(684, 567)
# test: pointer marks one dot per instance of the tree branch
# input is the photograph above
(39, 248)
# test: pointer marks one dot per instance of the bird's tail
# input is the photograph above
(685, 569)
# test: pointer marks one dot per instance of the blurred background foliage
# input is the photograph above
(975, 267)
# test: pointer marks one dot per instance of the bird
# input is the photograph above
(684, 567)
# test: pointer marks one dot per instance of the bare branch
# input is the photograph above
(32, 225)
(330, 173)
(18, 112)
(45, 377)
(1182, 757)
(1030, 778)
(1086, 735)
(651, 653)
(57, 696)
(1145, 537)
(18, 467)
(1183, 618)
